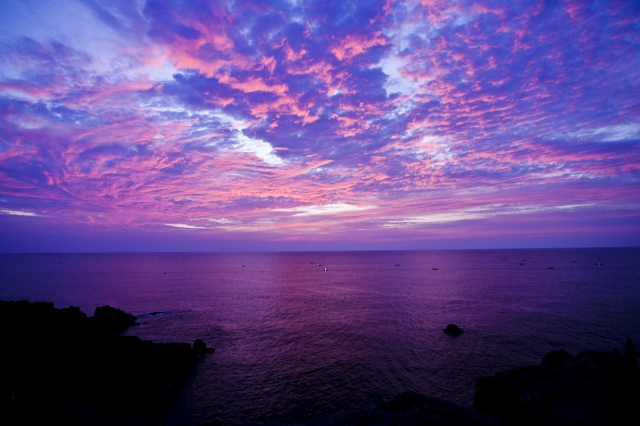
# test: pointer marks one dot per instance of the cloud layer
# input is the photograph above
(304, 121)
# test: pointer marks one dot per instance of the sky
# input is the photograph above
(193, 125)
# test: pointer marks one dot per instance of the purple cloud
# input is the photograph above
(389, 122)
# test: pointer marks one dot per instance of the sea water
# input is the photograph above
(294, 340)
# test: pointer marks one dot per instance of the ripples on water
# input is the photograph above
(293, 340)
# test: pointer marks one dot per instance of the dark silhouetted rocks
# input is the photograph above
(423, 409)
(112, 320)
(408, 409)
(557, 358)
(200, 348)
(60, 357)
(592, 388)
(69, 416)
(453, 330)
(58, 366)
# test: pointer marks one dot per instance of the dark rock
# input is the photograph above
(200, 348)
(69, 415)
(60, 357)
(42, 308)
(616, 354)
(453, 330)
(631, 355)
(592, 388)
(629, 346)
(113, 320)
(560, 358)
(405, 409)
(431, 410)
(73, 313)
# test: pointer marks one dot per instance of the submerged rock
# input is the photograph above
(592, 388)
(453, 330)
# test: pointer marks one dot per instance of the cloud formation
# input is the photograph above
(18, 213)
(288, 118)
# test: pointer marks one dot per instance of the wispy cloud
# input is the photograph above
(223, 221)
(328, 209)
(184, 226)
(481, 212)
(617, 133)
(18, 213)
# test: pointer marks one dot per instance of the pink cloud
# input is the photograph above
(353, 45)
(448, 118)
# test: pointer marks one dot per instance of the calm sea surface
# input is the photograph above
(294, 340)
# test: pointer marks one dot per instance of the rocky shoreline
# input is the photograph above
(592, 388)
(54, 358)
(59, 366)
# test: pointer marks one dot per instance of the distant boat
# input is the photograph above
(325, 269)
(435, 269)
(599, 264)
(575, 261)
(397, 264)
(551, 267)
(520, 263)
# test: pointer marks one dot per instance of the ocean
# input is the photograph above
(294, 340)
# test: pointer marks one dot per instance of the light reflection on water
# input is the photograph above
(292, 339)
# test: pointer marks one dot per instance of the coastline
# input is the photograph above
(57, 359)
(63, 367)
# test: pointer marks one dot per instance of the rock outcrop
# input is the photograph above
(112, 320)
(60, 357)
(453, 330)
(592, 388)
(200, 348)
(407, 409)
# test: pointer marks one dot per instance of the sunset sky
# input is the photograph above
(168, 125)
